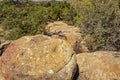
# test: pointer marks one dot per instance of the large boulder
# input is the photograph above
(99, 65)
(70, 33)
(38, 58)
(1, 77)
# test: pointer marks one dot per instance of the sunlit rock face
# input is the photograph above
(100, 65)
(38, 58)
(69, 33)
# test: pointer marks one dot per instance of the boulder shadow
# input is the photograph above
(76, 73)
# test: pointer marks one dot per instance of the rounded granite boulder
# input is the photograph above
(38, 58)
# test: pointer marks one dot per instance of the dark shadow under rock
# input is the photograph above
(76, 74)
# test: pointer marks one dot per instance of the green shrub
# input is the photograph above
(99, 21)
(30, 18)
(103, 25)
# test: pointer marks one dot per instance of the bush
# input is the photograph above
(30, 18)
(102, 25)
(99, 20)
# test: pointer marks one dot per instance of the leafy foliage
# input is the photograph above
(30, 18)
(99, 21)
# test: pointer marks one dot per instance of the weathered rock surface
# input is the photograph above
(99, 65)
(70, 33)
(1, 77)
(38, 58)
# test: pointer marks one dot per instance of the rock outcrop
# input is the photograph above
(51, 57)
(99, 65)
(38, 58)
(70, 33)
